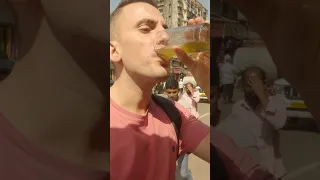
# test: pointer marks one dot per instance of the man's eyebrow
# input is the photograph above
(149, 21)
(146, 21)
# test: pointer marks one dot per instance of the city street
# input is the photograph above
(300, 149)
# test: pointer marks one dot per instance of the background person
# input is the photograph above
(231, 162)
(255, 121)
(227, 74)
(172, 89)
(181, 84)
(191, 97)
(189, 100)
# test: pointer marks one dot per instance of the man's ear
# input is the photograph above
(115, 55)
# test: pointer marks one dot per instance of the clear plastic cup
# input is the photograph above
(192, 39)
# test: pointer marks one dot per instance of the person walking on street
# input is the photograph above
(227, 73)
(172, 91)
(144, 144)
(190, 99)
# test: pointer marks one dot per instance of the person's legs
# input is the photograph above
(225, 93)
(183, 168)
(221, 93)
(231, 89)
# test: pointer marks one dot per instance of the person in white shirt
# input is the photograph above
(227, 73)
(255, 122)
(190, 99)
(181, 86)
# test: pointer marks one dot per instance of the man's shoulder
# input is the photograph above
(177, 104)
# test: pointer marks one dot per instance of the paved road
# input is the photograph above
(300, 149)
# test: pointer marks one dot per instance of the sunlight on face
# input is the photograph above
(138, 24)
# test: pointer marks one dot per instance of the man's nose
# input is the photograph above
(162, 38)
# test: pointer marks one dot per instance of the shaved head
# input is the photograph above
(117, 12)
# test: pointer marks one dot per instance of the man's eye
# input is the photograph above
(145, 29)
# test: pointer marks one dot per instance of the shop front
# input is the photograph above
(176, 72)
(177, 69)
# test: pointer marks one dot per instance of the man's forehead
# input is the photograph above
(172, 89)
(135, 12)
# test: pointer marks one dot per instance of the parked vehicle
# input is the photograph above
(296, 108)
(203, 95)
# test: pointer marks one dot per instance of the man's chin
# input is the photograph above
(163, 78)
(162, 75)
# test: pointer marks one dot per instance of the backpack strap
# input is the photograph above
(172, 112)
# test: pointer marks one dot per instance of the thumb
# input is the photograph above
(182, 56)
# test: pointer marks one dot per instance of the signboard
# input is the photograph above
(176, 70)
(175, 63)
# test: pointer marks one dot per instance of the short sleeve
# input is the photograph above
(276, 106)
(192, 131)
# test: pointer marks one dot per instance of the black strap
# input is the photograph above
(172, 112)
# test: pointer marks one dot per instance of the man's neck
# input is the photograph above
(50, 99)
(133, 95)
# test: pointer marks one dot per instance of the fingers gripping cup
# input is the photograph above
(192, 39)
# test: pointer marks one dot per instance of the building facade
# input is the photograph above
(177, 12)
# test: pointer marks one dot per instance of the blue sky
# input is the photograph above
(205, 3)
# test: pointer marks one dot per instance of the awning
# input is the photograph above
(222, 29)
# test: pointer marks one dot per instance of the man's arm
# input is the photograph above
(275, 112)
(196, 96)
(254, 153)
(194, 135)
(203, 149)
(237, 160)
